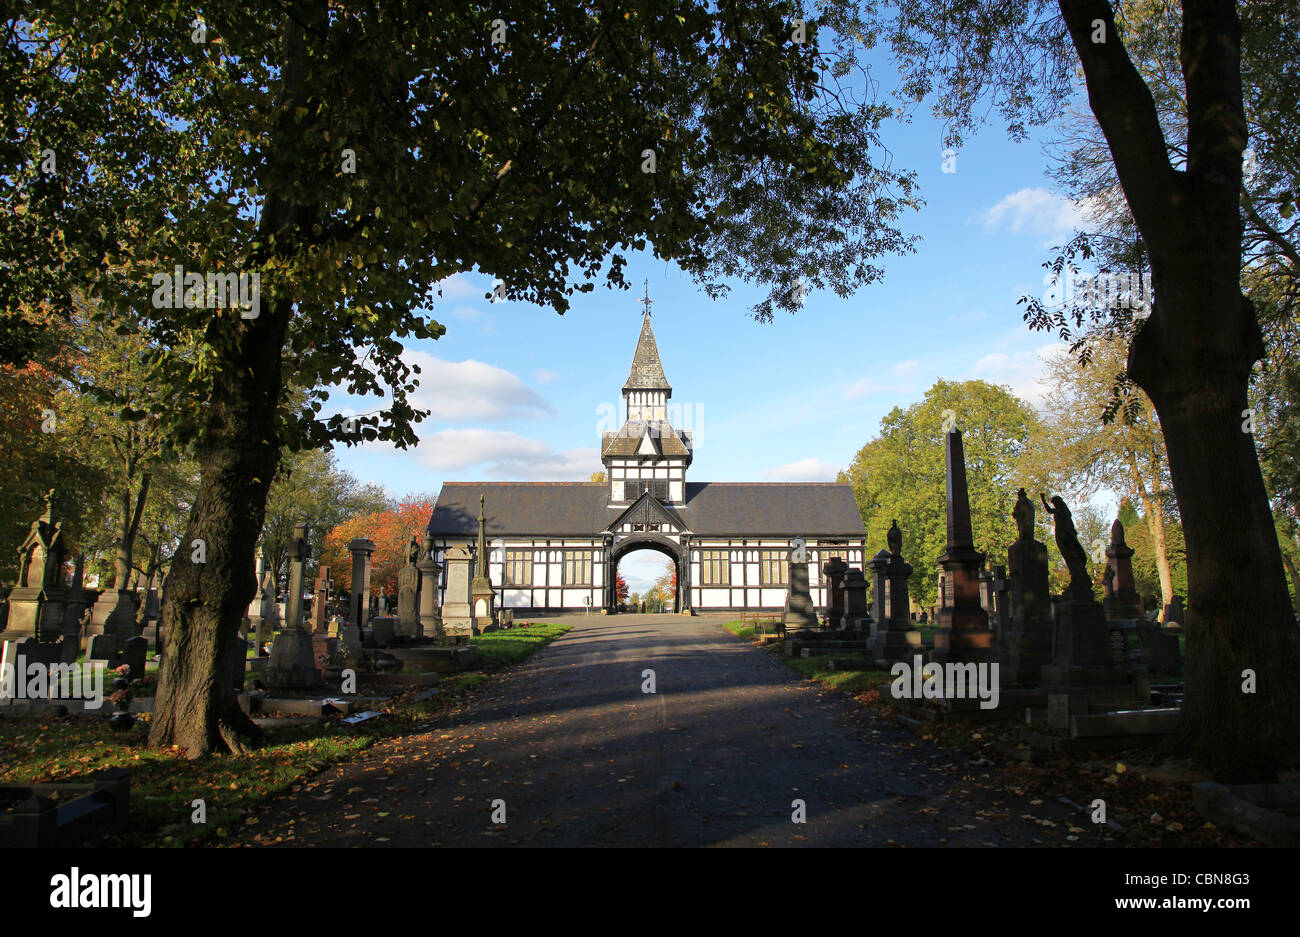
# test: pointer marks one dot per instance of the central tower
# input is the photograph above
(647, 454)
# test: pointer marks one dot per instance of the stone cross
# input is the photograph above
(322, 586)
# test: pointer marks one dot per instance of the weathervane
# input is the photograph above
(647, 301)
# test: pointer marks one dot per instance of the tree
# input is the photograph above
(392, 531)
(310, 489)
(1084, 454)
(1194, 353)
(620, 588)
(901, 474)
(339, 161)
(598, 477)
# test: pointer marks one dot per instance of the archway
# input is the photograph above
(638, 545)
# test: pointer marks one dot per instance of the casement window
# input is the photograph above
(519, 568)
(715, 568)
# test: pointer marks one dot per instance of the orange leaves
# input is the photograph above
(390, 530)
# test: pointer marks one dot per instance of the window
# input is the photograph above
(634, 489)
(519, 568)
(577, 569)
(772, 568)
(715, 568)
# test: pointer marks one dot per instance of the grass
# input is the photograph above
(850, 681)
(165, 785)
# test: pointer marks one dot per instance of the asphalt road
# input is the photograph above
(717, 756)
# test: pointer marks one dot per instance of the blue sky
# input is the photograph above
(519, 392)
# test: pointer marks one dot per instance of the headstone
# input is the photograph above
(361, 549)
(879, 566)
(1000, 615)
(103, 647)
(457, 612)
(430, 622)
(896, 637)
(383, 628)
(134, 652)
(799, 614)
(322, 586)
(853, 600)
(834, 570)
(292, 663)
(1081, 650)
(408, 589)
(1026, 643)
(1174, 613)
(963, 635)
(150, 616)
(1122, 600)
(36, 603)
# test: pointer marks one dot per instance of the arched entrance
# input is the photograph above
(647, 541)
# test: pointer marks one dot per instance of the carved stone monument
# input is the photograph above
(408, 588)
(896, 638)
(481, 592)
(457, 612)
(854, 601)
(834, 570)
(36, 602)
(1082, 662)
(1025, 645)
(293, 663)
(799, 614)
(358, 609)
(964, 635)
(430, 621)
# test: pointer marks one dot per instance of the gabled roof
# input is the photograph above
(647, 370)
(648, 509)
(627, 441)
(559, 509)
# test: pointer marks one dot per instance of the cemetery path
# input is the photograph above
(716, 757)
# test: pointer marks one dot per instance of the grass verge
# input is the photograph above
(165, 785)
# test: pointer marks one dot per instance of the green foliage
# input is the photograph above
(901, 474)
(500, 649)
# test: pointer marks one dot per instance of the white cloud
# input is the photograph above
(1022, 371)
(805, 470)
(1033, 211)
(545, 376)
(504, 455)
(905, 369)
(463, 391)
(458, 286)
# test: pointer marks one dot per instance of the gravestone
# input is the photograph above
(322, 593)
(1081, 650)
(36, 603)
(408, 588)
(1121, 601)
(150, 616)
(430, 621)
(853, 600)
(799, 614)
(457, 612)
(134, 651)
(896, 638)
(834, 570)
(383, 628)
(1174, 613)
(358, 611)
(879, 566)
(1026, 643)
(292, 663)
(74, 612)
(1000, 614)
(963, 634)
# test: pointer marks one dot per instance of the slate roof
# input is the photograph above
(647, 370)
(731, 509)
(669, 440)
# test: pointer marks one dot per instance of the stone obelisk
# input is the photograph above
(481, 594)
(964, 634)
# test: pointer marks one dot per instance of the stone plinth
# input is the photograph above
(834, 570)
(408, 618)
(853, 600)
(430, 620)
(896, 638)
(799, 614)
(1122, 600)
(1027, 643)
(361, 550)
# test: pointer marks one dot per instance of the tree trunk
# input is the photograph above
(1239, 620)
(1294, 572)
(207, 594)
(129, 525)
(1156, 527)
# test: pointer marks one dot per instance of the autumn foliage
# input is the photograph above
(390, 530)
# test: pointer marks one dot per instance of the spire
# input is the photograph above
(647, 370)
(481, 559)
